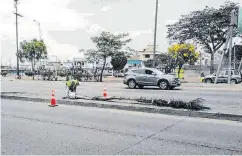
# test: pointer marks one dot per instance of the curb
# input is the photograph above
(189, 113)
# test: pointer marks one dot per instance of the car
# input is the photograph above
(150, 77)
(223, 77)
(4, 73)
(118, 74)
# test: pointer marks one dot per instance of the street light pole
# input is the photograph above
(234, 56)
(38, 23)
(154, 45)
(240, 65)
(231, 44)
(55, 57)
(17, 54)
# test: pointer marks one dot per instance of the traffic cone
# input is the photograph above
(53, 100)
(105, 93)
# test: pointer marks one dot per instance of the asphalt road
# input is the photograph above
(218, 99)
(35, 128)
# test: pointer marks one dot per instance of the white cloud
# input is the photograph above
(94, 28)
(62, 51)
(106, 8)
(136, 33)
(170, 22)
(53, 15)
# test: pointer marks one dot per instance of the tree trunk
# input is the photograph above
(101, 75)
(32, 69)
(179, 70)
(212, 63)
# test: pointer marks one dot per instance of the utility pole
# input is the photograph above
(154, 45)
(38, 23)
(240, 64)
(234, 22)
(234, 56)
(221, 61)
(230, 50)
(230, 42)
(16, 9)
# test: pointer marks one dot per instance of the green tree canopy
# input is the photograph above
(32, 51)
(107, 44)
(208, 28)
(183, 53)
(118, 61)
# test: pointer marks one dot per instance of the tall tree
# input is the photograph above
(183, 53)
(92, 56)
(108, 44)
(32, 51)
(208, 28)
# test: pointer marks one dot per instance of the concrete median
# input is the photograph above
(132, 107)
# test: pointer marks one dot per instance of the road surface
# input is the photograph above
(34, 128)
(220, 100)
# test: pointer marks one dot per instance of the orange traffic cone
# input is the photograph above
(105, 93)
(53, 100)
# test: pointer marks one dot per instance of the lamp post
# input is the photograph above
(240, 64)
(17, 54)
(55, 57)
(154, 45)
(234, 56)
(17, 15)
(38, 23)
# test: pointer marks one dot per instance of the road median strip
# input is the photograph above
(133, 107)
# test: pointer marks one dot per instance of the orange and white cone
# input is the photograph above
(105, 93)
(53, 100)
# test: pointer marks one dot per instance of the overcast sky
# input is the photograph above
(67, 25)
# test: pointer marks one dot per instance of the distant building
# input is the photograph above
(141, 56)
(147, 53)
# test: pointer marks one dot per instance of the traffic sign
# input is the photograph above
(240, 20)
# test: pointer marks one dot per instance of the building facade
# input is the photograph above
(141, 56)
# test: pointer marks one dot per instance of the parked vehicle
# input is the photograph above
(118, 74)
(4, 73)
(150, 77)
(223, 77)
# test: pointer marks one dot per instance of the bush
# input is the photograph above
(196, 104)
(28, 73)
